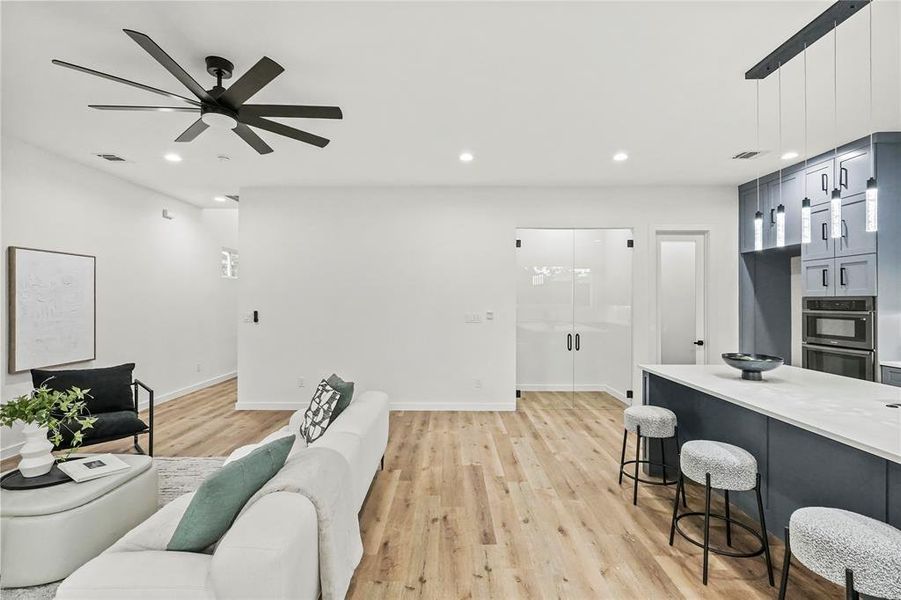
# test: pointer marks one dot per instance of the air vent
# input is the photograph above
(233, 197)
(748, 154)
(111, 157)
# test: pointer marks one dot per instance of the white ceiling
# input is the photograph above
(542, 93)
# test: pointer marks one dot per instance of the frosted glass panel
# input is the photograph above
(677, 301)
(544, 312)
(603, 312)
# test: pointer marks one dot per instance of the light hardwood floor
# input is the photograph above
(507, 505)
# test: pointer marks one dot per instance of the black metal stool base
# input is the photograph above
(663, 481)
(714, 549)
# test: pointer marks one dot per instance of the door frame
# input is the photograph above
(657, 234)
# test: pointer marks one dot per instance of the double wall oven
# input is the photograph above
(839, 336)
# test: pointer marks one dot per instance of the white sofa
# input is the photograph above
(270, 552)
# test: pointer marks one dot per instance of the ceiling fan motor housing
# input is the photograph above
(218, 66)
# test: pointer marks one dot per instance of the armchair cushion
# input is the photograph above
(110, 386)
(121, 423)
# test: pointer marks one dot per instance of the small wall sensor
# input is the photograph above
(168, 214)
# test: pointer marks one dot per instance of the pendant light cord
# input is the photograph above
(779, 73)
(757, 111)
(835, 89)
(805, 118)
(872, 156)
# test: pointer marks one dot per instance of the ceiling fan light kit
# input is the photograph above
(221, 108)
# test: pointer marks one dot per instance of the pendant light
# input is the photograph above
(780, 210)
(872, 196)
(835, 203)
(758, 216)
(805, 203)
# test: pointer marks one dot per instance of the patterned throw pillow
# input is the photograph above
(316, 418)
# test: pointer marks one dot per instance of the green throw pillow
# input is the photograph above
(223, 494)
(346, 389)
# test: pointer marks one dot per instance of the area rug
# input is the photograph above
(177, 476)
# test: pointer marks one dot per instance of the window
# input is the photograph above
(229, 263)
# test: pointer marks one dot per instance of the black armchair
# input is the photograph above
(113, 399)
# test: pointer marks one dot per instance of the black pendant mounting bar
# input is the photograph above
(823, 24)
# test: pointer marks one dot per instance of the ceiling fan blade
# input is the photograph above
(169, 64)
(284, 130)
(193, 131)
(146, 108)
(255, 141)
(251, 82)
(293, 111)
(140, 86)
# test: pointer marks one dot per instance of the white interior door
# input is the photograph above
(681, 298)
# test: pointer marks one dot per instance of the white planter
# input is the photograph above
(36, 457)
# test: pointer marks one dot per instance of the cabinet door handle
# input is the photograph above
(569, 342)
(843, 177)
(844, 229)
(841, 276)
(824, 232)
(824, 181)
(772, 216)
(578, 342)
(825, 277)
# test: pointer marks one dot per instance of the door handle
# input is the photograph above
(824, 182)
(843, 177)
(772, 216)
(578, 342)
(825, 277)
(699, 343)
(824, 232)
(841, 276)
(569, 342)
(844, 229)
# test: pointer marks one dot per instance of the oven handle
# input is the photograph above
(837, 350)
(840, 313)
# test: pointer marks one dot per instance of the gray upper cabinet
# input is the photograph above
(855, 238)
(820, 181)
(855, 275)
(817, 277)
(853, 169)
(821, 244)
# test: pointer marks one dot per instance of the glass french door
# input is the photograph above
(574, 316)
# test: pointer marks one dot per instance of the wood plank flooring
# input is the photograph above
(506, 505)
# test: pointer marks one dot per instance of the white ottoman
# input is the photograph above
(47, 533)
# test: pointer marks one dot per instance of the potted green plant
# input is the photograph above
(45, 414)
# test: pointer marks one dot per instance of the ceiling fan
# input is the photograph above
(220, 107)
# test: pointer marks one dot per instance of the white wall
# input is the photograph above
(374, 283)
(161, 302)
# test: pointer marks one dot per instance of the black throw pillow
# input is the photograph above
(346, 389)
(110, 386)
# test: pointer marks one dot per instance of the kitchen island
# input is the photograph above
(819, 439)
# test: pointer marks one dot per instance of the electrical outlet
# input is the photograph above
(198, 368)
(300, 382)
(477, 384)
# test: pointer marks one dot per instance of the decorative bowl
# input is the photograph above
(752, 365)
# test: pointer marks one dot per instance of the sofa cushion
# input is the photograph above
(222, 495)
(120, 423)
(318, 413)
(110, 387)
(346, 389)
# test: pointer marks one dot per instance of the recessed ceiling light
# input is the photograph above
(220, 198)
(172, 157)
(620, 156)
(790, 155)
(466, 157)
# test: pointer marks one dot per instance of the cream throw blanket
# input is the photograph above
(320, 474)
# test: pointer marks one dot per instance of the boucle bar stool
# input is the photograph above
(846, 548)
(650, 422)
(728, 468)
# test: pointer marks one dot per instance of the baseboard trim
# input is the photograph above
(597, 387)
(13, 449)
(455, 406)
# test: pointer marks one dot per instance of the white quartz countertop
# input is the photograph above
(850, 411)
(891, 363)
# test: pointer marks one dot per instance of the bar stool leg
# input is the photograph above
(850, 593)
(706, 524)
(786, 564)
(622, 456)
(680, 486)
(663, 459)
(728, 521)
(637, 457)
(679, 454)
(763, 532)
